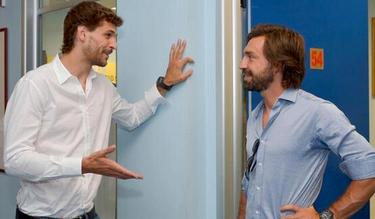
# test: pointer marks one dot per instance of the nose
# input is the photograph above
(243, 63)
(113, 43)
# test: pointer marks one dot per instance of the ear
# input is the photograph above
(81, 33)
(277, 68)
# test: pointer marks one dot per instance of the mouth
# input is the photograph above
(247, 75)
(107, 53)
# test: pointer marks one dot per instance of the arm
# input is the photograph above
(242, 207)
(98, 163)
(356, 195)
(358, 156)
(22, 122)
(131, 115)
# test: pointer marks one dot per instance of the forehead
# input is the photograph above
(255, 45)
(106, 26)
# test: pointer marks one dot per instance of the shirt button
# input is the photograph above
(258, 188)
(262, 141)
(256, 212)
(260, 164)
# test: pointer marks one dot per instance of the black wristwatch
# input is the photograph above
(326, 214)
(160, 83)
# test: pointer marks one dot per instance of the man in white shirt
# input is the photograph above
(58, 119)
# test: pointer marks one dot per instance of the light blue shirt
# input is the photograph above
(293, 152)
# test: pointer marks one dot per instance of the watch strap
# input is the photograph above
(326, 214)
(160, 83)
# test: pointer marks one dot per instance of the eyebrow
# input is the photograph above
(112, 32)
(250, 53)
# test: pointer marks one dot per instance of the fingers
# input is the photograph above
(187, 74)
(111, 168)
(171, 52)
(293, 208)
(123, 173)
(177, 49)
(181, 48)
(104, 152)
(299, 212)
(289, 217)
(186, 60)
(107, 150)
(131, 175)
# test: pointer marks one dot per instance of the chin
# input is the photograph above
(101, 64)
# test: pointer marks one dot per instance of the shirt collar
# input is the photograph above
(288, 95)
(63, 74)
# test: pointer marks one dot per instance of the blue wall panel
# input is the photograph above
(176, 149)
(340, 28)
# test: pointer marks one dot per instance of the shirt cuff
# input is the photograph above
(153, 98)
(357, 169)
(72, 166)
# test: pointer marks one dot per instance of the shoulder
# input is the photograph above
(313, 102)
(42, 74)
(323, 110)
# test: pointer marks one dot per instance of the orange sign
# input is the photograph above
(316, 58)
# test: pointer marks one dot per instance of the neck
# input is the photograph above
(76, 64)
(271, 95)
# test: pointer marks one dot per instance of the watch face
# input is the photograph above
(327, 214)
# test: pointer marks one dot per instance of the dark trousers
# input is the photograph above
(89, 215)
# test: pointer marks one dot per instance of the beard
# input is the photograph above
(97, 55)
(259, 81)
(99, 61)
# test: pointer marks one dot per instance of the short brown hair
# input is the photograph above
(89, 14)
(283, 48)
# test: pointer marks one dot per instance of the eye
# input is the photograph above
(251, 57)
(108, 35)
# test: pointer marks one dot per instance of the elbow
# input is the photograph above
(14, 167)
(131, 128)
(129, 125)
(9, 167)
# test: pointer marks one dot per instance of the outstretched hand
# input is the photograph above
(174, 74)
(299, 212)
(99, 163)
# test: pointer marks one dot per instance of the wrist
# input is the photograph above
(84, 165)
(161, 83)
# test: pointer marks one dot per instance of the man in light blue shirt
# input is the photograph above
(290, 134)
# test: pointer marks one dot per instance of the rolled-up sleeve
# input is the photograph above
(341, 137)
(359, 160)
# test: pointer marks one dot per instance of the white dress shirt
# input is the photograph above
(50, 124)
